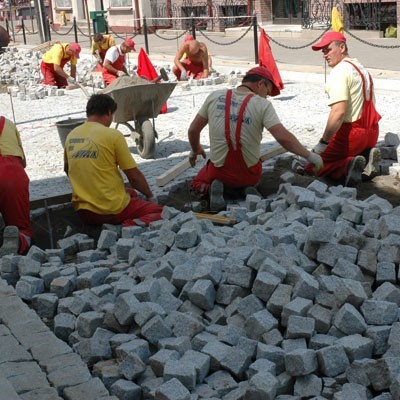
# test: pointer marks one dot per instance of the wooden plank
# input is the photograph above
(173, 172)
(216, 219)
(182, 166)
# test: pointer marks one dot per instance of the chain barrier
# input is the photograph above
(382, 46)
(61, 34)
(174, 38)
(297, 47)
(229, 43)
(79, 29)
(115, 33)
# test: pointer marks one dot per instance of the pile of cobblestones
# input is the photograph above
(299, 299)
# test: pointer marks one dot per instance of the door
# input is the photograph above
(286, 12)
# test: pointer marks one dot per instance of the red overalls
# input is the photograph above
(352, 138)
(194, 70)
(14, 196)
(234, 173)
(50, 77)
(118, 64)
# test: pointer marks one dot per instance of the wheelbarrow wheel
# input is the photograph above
(146, 143)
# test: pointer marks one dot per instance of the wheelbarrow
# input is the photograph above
(139, 103)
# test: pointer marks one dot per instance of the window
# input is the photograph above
(121, 3)
(63, 3)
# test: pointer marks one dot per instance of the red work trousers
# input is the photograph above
(50, 77)
(14, 198)
(140, 210)
(192, 69)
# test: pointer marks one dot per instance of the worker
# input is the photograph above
(236, 121)
(195, 64)
(53, 63)
(352, 129)
(99, 195)
(100, 44)
(189, 37)
(14, 191)
(114, 64)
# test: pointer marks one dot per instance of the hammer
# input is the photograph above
(163, 75)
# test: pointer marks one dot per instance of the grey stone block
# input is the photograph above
(387, 292)
(261, 365)
(126, 390)
(389, 224)
(159, 359)
(94, 277)
(186, 238)
(300, 327)
(88, 322)
(28, 266)
(305, 285)
(264, 285)
(322, 317)
(183, 370)
(249, 305)
(272, 353)
(297, 306)
(123, 246)
(28, 287)
(61, 286)
(126, 306)
(380, 337)
(37, 254)
(172, 390)
(184, 324)
(227, 293)
(137, 347)
(107, 239)
(240, 275)
(46, 305)
(131, 367)
(332, 360)
(236, 362)
(272, 337)
(90, 390)
(321, 230)
(346, 269)
(357, 347)
(279, 298)
(262, 385)
(367, 261)
(308, 386)
(64, 325)
(181, 344)
(384, 372)
(377, 312)
(259, 323)
(67, 376)
(385, 272)
(222, 382)
(301, 362)
(202, 294)
(349, 321)
(155, 329)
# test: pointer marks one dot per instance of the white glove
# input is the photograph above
(121, 73)
(183, 75)
(319, 148)
(71, 80)
(316, 160)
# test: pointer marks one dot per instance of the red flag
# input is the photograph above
(146, 70)
(266, 59)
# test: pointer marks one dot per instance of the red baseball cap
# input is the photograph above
(187, 38)
(76, 49)
(130, 43)
(264, 72)
(327, 39)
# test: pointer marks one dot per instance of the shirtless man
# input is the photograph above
(195, 64)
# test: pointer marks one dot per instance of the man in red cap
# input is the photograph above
(196, 61)
(53, 63)
(114, 64)
(352, 129)
(236, 120)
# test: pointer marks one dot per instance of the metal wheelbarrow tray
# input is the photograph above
(138, 103)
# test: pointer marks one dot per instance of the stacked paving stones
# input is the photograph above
(300, 299)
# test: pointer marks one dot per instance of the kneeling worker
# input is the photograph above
(100, 45)
(236, 121)
(93, 155)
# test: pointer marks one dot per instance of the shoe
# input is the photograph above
(355, 170)
(252, 190)
(217, 201)
(10, 241)
(372, 168)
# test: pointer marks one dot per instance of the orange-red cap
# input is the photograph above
(264, 72)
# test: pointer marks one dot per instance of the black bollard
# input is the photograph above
(75, 30)
(255, 30)
(23, 30)
(193, 26)
(146, 39)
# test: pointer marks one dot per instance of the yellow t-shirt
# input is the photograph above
(94, 153)
(10, 141)
(345, 84)
(55, 55)
(259, 114)
(109, 42)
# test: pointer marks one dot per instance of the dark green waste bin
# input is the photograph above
(99, 21)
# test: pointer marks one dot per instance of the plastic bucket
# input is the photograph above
(64, 127)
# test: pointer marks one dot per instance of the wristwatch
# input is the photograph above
(322, 141)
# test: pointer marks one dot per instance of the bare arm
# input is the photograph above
(73, 71)
(335, 119)
(194, 131)
(206, 70)
(107, 65)
(287, 140)
(178, 57)
(138, 181)
(59, 71)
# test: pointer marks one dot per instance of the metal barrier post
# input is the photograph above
(255, 30)
(23, 29)
(193, 26)
(146, 40)
(48, 29)
(7, 27)
(75, 30)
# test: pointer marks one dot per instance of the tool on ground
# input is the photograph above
(84, 90)
(12, 105)
(163, 75)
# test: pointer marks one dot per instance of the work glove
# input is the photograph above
(316, 160)
(121, 73)
(183, 75)
(319, 148)
(71, 80)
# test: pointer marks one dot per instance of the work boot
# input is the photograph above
(10, 241)
(217, 201)
(355, 170)
(372, 168)
(252, 190)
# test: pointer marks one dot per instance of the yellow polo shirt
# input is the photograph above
(109, 42)
(10, 141)
(57, 53)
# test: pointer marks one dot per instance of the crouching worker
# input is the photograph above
(14, 191)
(92, 155)
(236, 120)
